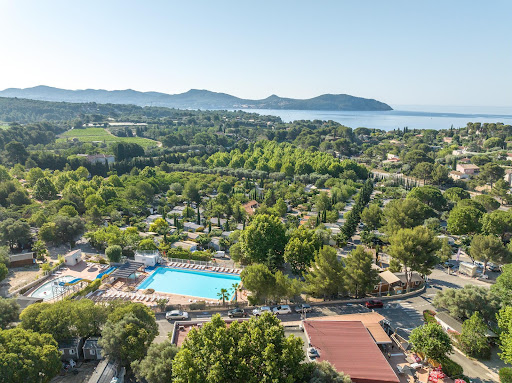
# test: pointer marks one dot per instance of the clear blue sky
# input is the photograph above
(429, 52)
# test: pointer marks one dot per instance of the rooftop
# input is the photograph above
(349, 347)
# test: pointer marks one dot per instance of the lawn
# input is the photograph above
(100, 134)
(3, 126)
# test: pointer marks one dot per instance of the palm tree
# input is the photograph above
(223, 295)
(236, 287)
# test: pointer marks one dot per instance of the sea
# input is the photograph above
(411, 116)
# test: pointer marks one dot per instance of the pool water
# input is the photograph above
(46, 291)
(193, 283)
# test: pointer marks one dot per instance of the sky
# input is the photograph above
(429, 52)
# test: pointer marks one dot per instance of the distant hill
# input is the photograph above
(195, 99)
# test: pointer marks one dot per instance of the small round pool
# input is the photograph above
(46, 291)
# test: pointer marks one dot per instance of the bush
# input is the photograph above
(428, 316)
(102, 261)
(200, 229)
(451, 368)
(506, 375)
(114, 253)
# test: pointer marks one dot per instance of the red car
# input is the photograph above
(373, 304)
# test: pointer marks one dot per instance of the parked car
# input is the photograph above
(451, 264)
(237, 313)
(282, 309)
(373, 304)
(493, 267)
(260, 310)
(176, 315)
(303, 308)
(480, 265)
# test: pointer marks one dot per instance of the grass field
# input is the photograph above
(100, 134)
(3, 126)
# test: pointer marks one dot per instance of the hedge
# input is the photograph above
(451, 368)
(428, 316)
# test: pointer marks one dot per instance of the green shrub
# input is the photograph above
(102, 261)
(451, 368)
(428, 316)
(506, 375)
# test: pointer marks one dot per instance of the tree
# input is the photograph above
(114, 253)
(17, 152)
(463, 303)
(429, 195)
(280, 207)
(498, 223)
(464, 220)
(488, 202)
(64, 319)
(300, 249)
(44, 189)
(4, 271)
(500, 190)
(487, 248)
(371, 216)
(414, 157)
(156, 367)
(14, 233)
(415, 249)
(264, 240)
(423, 171)
(405, 213)
(27, 356)
(473, 339)
(431, 341)
(147, 244)
(324, 372)
(325, 278)
(491, 172)
(503, 286)
(223, 294)
(445, 252)
(456, 194)
(259, 281)
(360, 275)
(251, 351)
(126, 340)
(9, 310)
(504, 318)
(159, 226)
(191, 192)
(129, 331)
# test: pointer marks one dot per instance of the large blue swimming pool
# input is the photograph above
(203, 284)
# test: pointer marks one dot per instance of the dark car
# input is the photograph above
(237, 313)
(374, 304)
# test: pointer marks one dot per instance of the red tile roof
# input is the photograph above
(350, 348)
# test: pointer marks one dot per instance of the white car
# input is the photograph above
(282, 309)
(176, 315)
(260, 310)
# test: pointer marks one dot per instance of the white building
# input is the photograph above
(73, 257)
(149, 258)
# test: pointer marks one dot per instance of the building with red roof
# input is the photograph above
(350, 348)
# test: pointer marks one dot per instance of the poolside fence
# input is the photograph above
(200, 263)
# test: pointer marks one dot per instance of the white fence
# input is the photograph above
(201, 263)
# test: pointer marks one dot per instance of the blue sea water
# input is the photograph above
(414, 117)
(193, 283)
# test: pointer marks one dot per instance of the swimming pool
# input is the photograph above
(193, 283)
(46, 291)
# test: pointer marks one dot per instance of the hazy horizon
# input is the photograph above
(400, 53)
